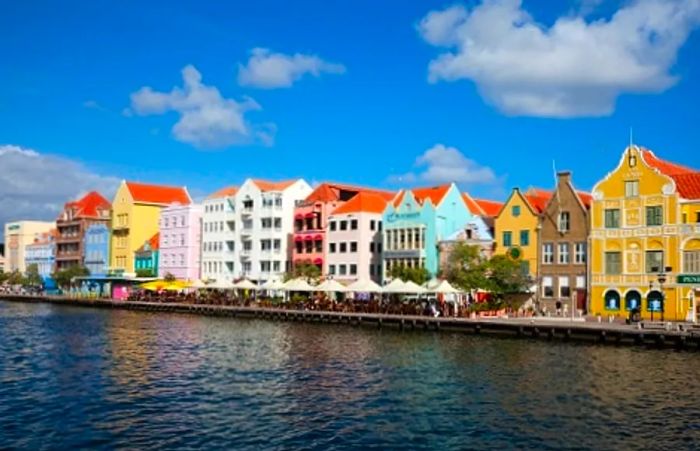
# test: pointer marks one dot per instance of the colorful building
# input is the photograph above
(76, 217)
(415, 221)
(42, 253)
(180, 237)
(645, 242)
(96, 249)
(19, 235)
(562, 269)
(517, 226)
(311, 221)
(354, 238)
(218, 242)
(146, 258)
(135, 216)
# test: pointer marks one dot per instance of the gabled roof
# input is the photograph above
(224, 192)
(471, 204)
(153, 242)
(687, 179)
(537, 198)
(434, 193)
(363, 202)
(329, 192)
(89, 205)
(266, 185)
(482, 207)
(158, 194)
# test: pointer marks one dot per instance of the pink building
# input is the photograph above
(311, 218)
(180, 237)
(355, 239)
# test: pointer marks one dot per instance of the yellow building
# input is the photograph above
(516, 227)
(645, 253)
(135, 215)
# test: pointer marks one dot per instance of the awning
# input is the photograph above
(318, 238)
(310, 215)
(308, 238)
(318, 261)
(298, 216)
(298, 238)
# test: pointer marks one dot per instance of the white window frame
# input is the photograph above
(563, 254)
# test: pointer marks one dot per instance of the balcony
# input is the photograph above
(246, 211)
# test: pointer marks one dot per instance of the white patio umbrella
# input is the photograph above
(431, 284)
(413, 288)
(198, 284)
(445, 288)
(365, 286)
(298, 285)
(395, 286)
(330, 285)
(245, 284)
(272, 285)
(224, 284)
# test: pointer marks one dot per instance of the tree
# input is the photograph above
(466, 267)
(64, 277)
(31, 276)
(15, 278)
(505, 276)
(415, 275)
(145, 272)
(305, 270)
(169, 277)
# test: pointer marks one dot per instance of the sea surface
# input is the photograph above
(74, 378)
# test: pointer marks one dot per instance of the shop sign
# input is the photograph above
(689, 279)
(402, 254)
(393, 217)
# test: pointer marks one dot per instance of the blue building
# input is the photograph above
(96, 246)
(415, 222)
(42, 253)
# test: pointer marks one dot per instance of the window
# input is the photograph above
(379, 248)
(697, 216)
(564, 290)
(613, 263)
(276, 266)
(524, 237)
(685, 218)
(548, 253)
(331, 248)
(343, 225)
(612, 300)
(547, 290)
(353, 246)
(655, 216)
(563, 253)
(331, 269)
(632, 188)
(580, 253)
(654, 261)
(278, 223)
(379, 223)
(353, 224)
(564, 221)
(691, 262)
(507, 239)
(612, 218)
(371, 247)
(332, 226)
(515, 211)
(372, 224)
(343, 247)
(342, 270)
(299, 247)
(353, 270)
(581, 282)
(371, 270)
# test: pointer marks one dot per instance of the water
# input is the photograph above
(84, 378)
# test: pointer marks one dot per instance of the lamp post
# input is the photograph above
(651, 287)
(662, 280)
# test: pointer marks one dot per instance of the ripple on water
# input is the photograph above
(81, 378)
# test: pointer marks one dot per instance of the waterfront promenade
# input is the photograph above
(664, 335)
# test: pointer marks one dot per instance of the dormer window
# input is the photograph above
(564, 221)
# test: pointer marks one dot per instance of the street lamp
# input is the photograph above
(662, 280)
(651, 287)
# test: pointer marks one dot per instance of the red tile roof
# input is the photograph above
(329, 192)
(687, 179)
(537, 198)
(266, 185)
(154, 242)
(490, 208)
(471, 204)
(363, 202)
(89, 205)
(434, 193)
(158, 194)
(224, 192)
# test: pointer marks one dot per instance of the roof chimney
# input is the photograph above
(564, 176)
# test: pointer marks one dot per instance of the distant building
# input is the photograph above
(76, 217)
(146, 257)
(478, 232)
(42, 253)
(218, 259)
(19, 235)
(96, 249)
(180, 238)
(2, 257)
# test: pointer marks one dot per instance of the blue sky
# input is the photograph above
(361, 102)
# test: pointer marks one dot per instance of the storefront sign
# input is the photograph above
(393, 217)
(402, 254)
(13, 227)
(689, 279)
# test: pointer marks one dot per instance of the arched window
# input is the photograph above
(612, 300)
(655, 301)
(633, 300)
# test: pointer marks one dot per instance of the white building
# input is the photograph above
(19, 235)
(246, 232)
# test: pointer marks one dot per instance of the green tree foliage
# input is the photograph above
(145, 272)
(505, 276)
(305, 270)
(415, 275)
(169, 277)
(466, 267)
(31, 276)
(64, 277)
(14, 278)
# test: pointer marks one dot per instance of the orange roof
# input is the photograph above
(224, 192)
(363, 202)
(434, 193)
(265, 185)
(89, 205)
(537, 198)
(472, 206)
(329, 192)
(154, 242)
(687, 179)
(158, 194)
(586, 198)
(490, 208)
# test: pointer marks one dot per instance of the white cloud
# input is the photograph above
(35, 185)
(446, 165)
(207, 119)
(277, 70)
(573, 68)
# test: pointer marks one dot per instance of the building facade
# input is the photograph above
(180, 241)
(146, 258)
(76, 217)
(562, 269)
(477, 232)
(42, 253)
(415, 221)
(354, 239)
(645, 244)
(96, 249)
(135, 219)
(219, 240)
(19, 235)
